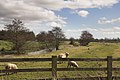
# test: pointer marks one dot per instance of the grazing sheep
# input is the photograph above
(11, 66)
(72, 64)
(67, 54)
(63, 55)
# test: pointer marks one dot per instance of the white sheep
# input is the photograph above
(72, 64)
(11, 66)
(63, 55)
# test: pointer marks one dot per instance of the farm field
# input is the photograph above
(96, 50)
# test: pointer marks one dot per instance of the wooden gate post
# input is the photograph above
(54, 67)
(109, 67)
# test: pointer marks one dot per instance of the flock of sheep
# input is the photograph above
(11, 66)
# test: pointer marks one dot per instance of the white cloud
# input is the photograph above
(48, 4)
(113, 32)
(83, 13)
(72, 4)
(18, 9)
(55, 24)
(104, 20)
(41, 12)
(28, 13)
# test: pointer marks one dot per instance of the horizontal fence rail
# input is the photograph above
(27, 70)
(81, 69)
(50, 59)
(83, 59)
(54, 68)
(24, 59)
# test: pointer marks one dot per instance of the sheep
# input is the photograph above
(63, 55)
(72, 64)
(11, 66)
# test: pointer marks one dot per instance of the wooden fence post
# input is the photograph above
(109, 67)
(54, 67)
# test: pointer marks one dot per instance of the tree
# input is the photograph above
(30, 36)
(3, 35)
(16, 33)
(46, 38)
(41, 36)
(85, 38)
(72, 41)
(58, 36)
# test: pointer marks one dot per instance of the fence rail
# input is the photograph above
(54, 68)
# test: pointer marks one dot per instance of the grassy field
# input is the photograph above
(29, 46)
(96, 50)
(6, 45)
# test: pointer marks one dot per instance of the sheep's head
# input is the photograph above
(67, 54)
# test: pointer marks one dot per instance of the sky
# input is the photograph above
(100, 17)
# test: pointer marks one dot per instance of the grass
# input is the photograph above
(95, 50)
(29, 46)
(6, 45)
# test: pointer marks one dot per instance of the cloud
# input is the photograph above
(20, 10)
(42, 12)
(83, 13)
(55, 24)
(72, 4)
(82, 29)
(48, 4)
(112, 32)
(104, 20)
(28, 13)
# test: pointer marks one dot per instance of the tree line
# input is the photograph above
(17, 33)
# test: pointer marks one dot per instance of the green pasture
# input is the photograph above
(93, 50)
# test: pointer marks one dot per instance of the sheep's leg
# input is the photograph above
(6, 73)
(68, 65)
(15, 72)
(60, 62)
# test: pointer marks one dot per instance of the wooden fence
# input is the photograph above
(54, 68)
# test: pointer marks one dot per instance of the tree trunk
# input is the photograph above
(57, 47)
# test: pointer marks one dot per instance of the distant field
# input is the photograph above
(6, 45)
(96, 50)
(29, 46)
